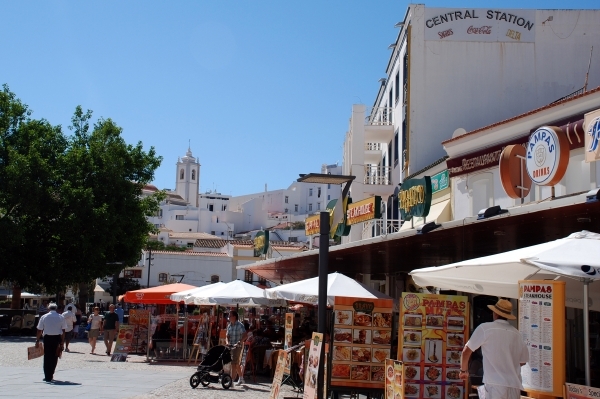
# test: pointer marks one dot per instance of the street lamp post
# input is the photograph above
(149, 259)
(319, 178)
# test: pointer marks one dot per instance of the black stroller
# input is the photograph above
(214, 360)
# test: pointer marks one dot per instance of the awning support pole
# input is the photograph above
(322, 312)
(586, 330)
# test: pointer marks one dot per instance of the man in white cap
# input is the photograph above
(53, 327)
(504, 352)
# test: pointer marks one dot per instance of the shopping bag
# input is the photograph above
(34, 353)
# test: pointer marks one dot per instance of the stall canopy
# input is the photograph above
(183, 295)
(26, 295)
(235, 293)
(570, 259)
(156, 295)
(307, 291)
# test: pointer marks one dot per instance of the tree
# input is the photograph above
(71, 207)
(124, 284)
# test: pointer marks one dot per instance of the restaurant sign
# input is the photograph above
(439, 181)
(414, 198)
(592, 136)
(312, 225)
(364, 210)
(261, 243)
(547, 155)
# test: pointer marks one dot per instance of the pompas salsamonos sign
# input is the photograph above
(414, 199)
(547, 155)
(364, 210)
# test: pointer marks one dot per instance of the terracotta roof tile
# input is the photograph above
(587, 93)
(191, 253)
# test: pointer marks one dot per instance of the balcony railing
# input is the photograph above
(379, 227)
(378, 175)
(373, 146)
(380, 116)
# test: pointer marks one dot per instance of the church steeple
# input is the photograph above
(188, 178)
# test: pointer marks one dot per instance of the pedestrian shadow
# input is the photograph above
(59, 382)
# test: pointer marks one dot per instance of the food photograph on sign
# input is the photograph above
(361, 336)
(412, 337)
(412, 320)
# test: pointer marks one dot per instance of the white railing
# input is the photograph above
(373, 146)
(380, 116)
(380, 227)
(378, 175)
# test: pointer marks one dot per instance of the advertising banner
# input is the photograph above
(479, 25)
(312, 225)
(361, 211)
(278, 376)
(414, 198)
(362, 339)
(433, 332)
(124, 344)
(574, 391)
(393, 379)
(439, 181)
(591, 123)
(542, 325)
(312, 366)
(287, 340)
(139, 319)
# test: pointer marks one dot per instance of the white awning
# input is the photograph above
(438, 213)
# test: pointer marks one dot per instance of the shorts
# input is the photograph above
(236, 355)
(490, 391)
(94, 333)
(68, 336)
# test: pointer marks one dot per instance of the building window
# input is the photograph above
(193, 175)
(224, 208)
(396, 148)
(212, 232)
(318, 206)
(190, 245)
(178, 217)
(390, 99)
(248, 276)
(296, 208)
(319, 192)
(397, 85)
(157, 226)
(181, 174)
(310, 192)
(211, 207)
(162, 277)
(328, 197)
(214, 278)
(286, 210)
(309, 207)
(132, 274)
(287, 199)
(222, 233)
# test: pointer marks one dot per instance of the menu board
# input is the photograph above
(574, 391)
(278, 375)
(289, 326)
(362, 338)
(393, 379)
(124, 343)
(542, 326)
(139, 319)
(433, 331)
(312, 366)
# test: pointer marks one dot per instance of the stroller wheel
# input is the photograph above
(195, 380)
(226, 381)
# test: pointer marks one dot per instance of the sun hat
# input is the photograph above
(503, 308)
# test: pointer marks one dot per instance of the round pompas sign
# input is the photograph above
(547, 155)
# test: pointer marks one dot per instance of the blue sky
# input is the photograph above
(263, 89)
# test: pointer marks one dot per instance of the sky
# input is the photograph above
(261, 90)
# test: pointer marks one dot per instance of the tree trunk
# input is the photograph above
(83, 293)
(16, 297)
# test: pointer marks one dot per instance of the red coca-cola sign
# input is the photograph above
(482, 30)
(445, 33)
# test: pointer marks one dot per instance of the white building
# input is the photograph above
(457, 69)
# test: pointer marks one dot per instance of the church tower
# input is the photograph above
(188, 178)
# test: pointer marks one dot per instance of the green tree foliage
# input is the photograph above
(71, 207)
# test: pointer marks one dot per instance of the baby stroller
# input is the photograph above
(214, 361)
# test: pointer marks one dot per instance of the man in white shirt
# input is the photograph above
(53, 327)
(70, 319)
(504, 352)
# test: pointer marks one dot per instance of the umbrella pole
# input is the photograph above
(586, 330)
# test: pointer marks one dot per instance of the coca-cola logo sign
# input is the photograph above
(445, 33)
(482, 30)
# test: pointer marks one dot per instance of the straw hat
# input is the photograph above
(503, 308)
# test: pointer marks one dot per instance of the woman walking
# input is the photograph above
(95, 321)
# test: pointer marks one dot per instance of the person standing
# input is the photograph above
(236, 335)
(111, 326)
(504, 352)
(120, 312)
(52, 326)
(70, 319)
(95, 322)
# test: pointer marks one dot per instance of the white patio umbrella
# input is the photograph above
(574, 259)
(307, 291)
(235, 293)
(183, 295)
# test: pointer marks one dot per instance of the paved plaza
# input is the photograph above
(81, 374)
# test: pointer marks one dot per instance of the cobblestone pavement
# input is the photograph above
(81, 373)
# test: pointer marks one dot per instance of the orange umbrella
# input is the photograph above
(156, 295)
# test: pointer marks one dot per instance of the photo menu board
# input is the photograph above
(393, 379)
(433, 332)
(542, 326)
(362, 338)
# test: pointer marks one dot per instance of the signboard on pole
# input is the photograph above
(311, 371)
(542, 325)
(433, 332)
(364, 210)
(312, 225)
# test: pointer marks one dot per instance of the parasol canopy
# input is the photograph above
(159, 295)
(183, 295)
(307, 291)
(235, 293)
